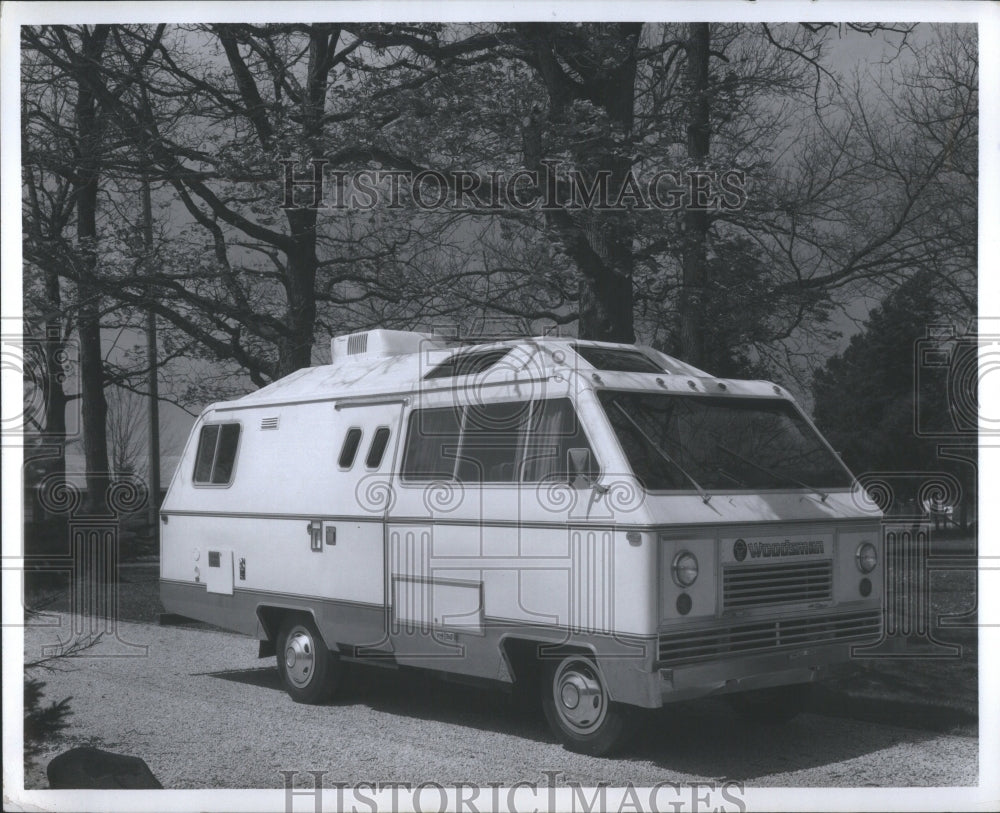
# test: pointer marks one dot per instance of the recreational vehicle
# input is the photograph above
(600, 521)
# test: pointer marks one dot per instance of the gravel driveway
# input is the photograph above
(204, 712)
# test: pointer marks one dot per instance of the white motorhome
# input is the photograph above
(599, 519)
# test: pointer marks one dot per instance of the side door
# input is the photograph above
(350, 543)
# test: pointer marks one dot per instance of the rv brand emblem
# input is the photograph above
(740, 550)
(786, 548)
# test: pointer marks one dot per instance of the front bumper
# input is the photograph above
(745, 654)
(760, 652)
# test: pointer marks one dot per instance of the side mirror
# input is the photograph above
(579, 460)
(580, 469)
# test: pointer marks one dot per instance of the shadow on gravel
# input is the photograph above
(705, 738)
(701, 738)
(263, 677)
(885, 711)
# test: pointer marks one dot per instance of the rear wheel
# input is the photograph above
(578, 708)
(308, 669)
(772, 706)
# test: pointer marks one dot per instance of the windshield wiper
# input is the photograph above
(705, 496)
(732, 477)
(776, 475)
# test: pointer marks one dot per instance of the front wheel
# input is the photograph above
(308, 669)
(579, 710)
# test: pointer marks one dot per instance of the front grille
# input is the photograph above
(770, 583)
(761, 637)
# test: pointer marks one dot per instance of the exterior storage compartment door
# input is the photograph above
(219, 572)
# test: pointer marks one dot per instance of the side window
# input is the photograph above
(377, 449)
(431, 450)
(492, 442)
(555, 430)
(216, 458)
(206, 453)
(350, 448)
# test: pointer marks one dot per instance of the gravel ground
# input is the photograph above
(204, 712)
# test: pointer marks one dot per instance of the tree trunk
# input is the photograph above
(55, 374)
(295, 348)
(95, 408)
(606, 302)
(694, 271)
(153, 429)
(598, 241)
(606, 299)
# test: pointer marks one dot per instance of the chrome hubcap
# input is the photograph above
(300, 657)
(580, 697)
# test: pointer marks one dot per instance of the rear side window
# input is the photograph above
(350, 448)
(432, 444)
(377, 449)
(216, 458)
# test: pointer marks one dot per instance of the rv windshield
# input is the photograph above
(721, 443)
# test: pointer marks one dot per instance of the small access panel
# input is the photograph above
(219, 573)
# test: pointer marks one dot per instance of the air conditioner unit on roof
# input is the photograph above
(382, 344)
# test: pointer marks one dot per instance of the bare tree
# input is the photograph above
(126, 431)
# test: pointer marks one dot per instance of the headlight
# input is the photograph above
(867, 557)
(685, 568)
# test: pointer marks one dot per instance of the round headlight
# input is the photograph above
(867, 557)
(685, 568)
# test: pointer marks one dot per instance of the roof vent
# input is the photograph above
(357, 344)
(382, 344)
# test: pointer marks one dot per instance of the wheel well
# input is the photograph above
(271, 618)
(526, 656)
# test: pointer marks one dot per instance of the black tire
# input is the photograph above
(771, 706)
(309, 670)
(578, 709)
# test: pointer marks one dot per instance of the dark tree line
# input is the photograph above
(903, 388)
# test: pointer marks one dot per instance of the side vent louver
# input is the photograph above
(269, 423)
(358, 343)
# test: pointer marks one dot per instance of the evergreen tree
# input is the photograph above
(41, 722)
(869, 398)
